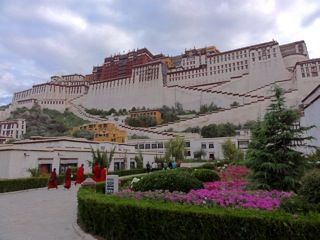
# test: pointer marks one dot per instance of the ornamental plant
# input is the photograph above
(310, 187)
(274, 161)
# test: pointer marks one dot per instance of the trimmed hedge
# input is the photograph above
(117, 218)
(17, 184)
(206, 175)
(171, 180)
(121, 173)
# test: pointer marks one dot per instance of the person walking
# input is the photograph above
(67, 178)
(148, 167)
(96, 172)
(174, 165)
(80, 175)
(53, 181)
(103, 174)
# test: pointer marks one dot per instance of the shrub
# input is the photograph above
(34, 172)
(168, 180)
(298, 204)
(118, 218)
(211, 166)
(101, 187)
(206, 175)
(18, 184)
(184, 169)
(310, 187)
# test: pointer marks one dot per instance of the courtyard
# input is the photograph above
(40, 214)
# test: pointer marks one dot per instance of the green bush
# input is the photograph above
(310, 186)
(18, 184)
(184, 169)
(211, 166)
(206, 175)
(117, 218)
(101, 187)
(121, 173)
(11, 185)
(171, 180)
(298, 204)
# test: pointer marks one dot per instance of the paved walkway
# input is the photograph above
(40, 215)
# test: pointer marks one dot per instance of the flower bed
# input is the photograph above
(226, 198)
(112, 217)
(230, 192)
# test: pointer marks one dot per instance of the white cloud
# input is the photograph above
(62, 17)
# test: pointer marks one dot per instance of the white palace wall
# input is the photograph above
(251, 70)
(126, 93)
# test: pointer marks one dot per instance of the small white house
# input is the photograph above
(48, 153)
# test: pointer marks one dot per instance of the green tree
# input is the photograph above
(83, 134)
(103, 158)
(200, 154)
(141, 121)
(220, 130)
(139, 160)
(193, 129)
(272, 155)
(34, 172)
(234, 104)
(175, 148)
(231, 153)
(208, 108)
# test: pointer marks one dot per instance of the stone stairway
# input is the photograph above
(239, 114)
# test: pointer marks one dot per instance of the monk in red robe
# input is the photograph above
(96, 172)
(103, 174)
(67, 178)
(53, 181)
(80, 175)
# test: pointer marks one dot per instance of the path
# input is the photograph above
(40, 214)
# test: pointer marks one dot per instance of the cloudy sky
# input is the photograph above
(40, 38)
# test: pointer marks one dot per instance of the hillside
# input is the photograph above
(46, 122)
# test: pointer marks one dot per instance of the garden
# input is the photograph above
(272, 193)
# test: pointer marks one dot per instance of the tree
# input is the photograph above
(234, 104)
(139, 160)
(175, 148)
(272, 156)
(103, 158)
(220, 130)
(141, 121)
(83, 134)
(193, 129)
(231, 153)
(208, 108)
(249, 124)
(200, 154)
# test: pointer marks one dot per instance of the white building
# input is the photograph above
(311, 105)
(48, 153)
(212, 147)
(12, 128)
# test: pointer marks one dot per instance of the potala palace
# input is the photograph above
(141, 79)
(196, 77)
